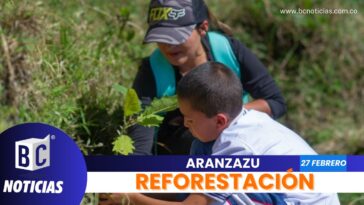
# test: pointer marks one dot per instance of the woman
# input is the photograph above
(182, 31)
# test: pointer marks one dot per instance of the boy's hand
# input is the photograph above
(110, 199)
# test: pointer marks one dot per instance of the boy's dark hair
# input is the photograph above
(212, 88)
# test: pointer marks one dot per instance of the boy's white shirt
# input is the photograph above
(255, 133)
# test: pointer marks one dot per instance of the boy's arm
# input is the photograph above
(140, 199)
(192, 199)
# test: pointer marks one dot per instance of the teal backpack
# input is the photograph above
(164, 74)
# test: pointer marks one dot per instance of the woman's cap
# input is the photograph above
(172, 21)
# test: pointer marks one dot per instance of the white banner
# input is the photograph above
(204, 182)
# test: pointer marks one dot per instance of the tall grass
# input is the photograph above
(72, 53)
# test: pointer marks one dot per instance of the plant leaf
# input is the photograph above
(121, 89)
(123, 145)
(131, 103)
(151, 120)
(161, 105)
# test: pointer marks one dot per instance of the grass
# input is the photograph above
(73, 53)
(316, 60)
(63, 57)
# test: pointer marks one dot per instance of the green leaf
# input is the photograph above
(124, 12)
(131, 103)
(123, 145)
(121, 89)
(150, 120)
(161, 105)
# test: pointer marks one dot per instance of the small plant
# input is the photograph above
(134, 114)
(151, 116)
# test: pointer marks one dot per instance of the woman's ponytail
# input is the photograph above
(217, 25)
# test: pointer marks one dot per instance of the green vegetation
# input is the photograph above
(134, 114)
(60, 59)
(64, 58)
(318, 62)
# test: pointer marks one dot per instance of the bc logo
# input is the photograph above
(32, 154)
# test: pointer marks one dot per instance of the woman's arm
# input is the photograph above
(258, 82)
(259, 104)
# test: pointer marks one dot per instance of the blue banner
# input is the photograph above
(191, 163)
(323, 163)
(355, 163)
(257, 163)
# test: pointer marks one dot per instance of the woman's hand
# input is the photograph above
(260, 105)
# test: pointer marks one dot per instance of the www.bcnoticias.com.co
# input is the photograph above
(320, 11)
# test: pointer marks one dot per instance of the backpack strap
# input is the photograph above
(165, 82)
(164, 74)
(223, 53)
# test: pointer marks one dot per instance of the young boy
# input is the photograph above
(214, 112)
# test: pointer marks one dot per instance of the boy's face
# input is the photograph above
(203, 128)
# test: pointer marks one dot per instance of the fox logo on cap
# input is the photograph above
(175, 14)
(157, 14)
(172, 21)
